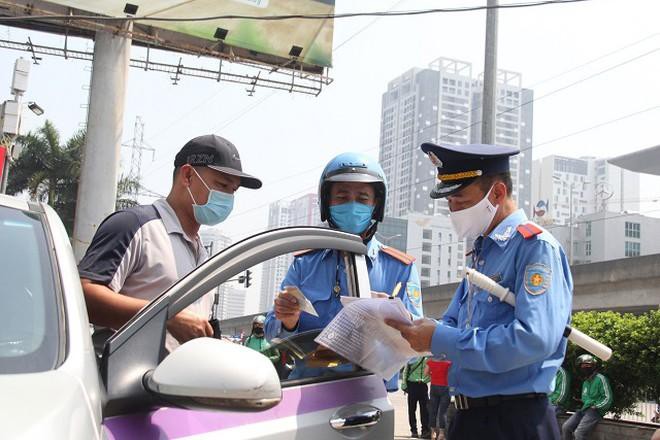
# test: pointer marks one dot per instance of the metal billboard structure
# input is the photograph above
(292, 54)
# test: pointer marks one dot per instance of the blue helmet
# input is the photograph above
(353, 167)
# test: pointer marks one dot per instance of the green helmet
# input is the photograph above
(259, 319)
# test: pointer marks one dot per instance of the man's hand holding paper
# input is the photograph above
(288, 305)
(359, 333)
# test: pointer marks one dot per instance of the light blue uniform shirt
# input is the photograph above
(494, 347)
(316, 273)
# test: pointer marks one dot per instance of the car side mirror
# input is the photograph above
(207, 373)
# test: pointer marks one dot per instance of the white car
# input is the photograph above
(53, 387)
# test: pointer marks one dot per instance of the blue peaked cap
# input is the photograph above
(460, 165)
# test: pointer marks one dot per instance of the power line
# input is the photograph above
(407, 13)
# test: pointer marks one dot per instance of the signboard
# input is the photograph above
(308, 42)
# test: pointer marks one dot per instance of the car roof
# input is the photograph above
(14, 202)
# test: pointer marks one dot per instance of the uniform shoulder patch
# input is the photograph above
(414, 293)
(529, 230)
(537, 278)
(397, 254)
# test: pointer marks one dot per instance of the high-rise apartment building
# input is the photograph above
(441, 104)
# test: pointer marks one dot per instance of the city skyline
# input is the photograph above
(442, 104)
(594, 92)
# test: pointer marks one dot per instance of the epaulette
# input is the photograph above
(529, 230)
(397, 254)
(303, 252)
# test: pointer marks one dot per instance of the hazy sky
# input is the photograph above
(286, 139)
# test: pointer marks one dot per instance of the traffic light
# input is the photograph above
(246, 279)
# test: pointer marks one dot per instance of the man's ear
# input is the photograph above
(499, 192)
(185, 175)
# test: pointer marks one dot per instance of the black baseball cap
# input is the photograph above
(216, 153)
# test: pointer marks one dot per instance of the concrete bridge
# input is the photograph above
(625, 285)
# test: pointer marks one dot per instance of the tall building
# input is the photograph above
(439, 255)
(513, 128)
(441, 104)
(233, 303)
(215, 241)
(566, 187)
(303, 211)
(603, 236)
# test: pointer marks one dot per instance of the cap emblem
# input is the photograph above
(435, 160)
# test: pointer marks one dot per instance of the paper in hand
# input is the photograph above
(305, 304)
(359, 333)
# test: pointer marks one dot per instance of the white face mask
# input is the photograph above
(473, 221)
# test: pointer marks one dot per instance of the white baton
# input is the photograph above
(576, 336)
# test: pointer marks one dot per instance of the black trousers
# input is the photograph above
(418, 393)
(521, 419)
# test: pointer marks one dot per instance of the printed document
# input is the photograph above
(359, 334)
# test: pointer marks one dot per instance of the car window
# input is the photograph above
(296, 357)
(29, 323)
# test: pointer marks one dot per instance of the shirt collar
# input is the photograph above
(507, 228)
(170, 219)
(373, 247)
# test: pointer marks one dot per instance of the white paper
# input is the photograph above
(359, 334)
(305, 304)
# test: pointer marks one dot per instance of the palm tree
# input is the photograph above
(50, 172)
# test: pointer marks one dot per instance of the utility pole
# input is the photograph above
(97, 191)
(490, 76)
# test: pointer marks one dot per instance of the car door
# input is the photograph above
(345, 404)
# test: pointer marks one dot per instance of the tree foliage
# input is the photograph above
(50, 171)
(634, 368)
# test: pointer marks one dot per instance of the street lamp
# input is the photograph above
(36, 108)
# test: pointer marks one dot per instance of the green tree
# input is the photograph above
(634, 368)
(49, 171)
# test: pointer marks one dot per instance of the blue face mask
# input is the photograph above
(353, 217)
(217, 207)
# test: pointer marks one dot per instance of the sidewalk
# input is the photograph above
(400, 404)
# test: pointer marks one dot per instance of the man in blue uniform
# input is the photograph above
(352, 194)
(503, 358)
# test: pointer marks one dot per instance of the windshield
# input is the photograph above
(29, 325)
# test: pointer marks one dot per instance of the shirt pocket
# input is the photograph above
(490, 310)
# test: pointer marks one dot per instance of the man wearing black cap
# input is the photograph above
(138, 253)
(503, 358)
